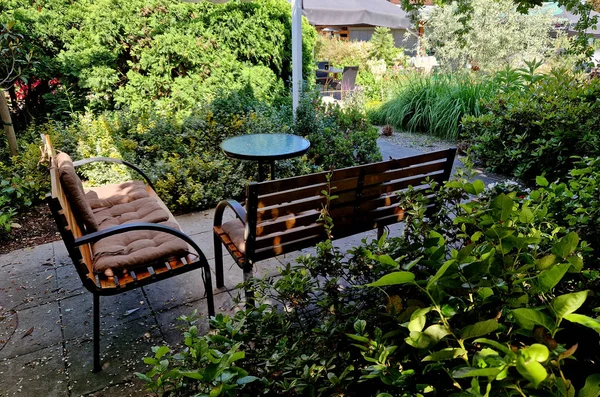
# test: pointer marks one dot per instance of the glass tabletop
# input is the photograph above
(265, 147)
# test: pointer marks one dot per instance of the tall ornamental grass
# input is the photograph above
(434, 104)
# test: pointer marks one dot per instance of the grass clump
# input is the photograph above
(434, 104)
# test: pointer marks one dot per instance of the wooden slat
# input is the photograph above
(313, 203)
(286, 223)
(383, 166)
(338, 186)
(289, 236)
(397, 186)
(404, 173)
(305, 180)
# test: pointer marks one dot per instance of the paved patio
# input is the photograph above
(46, 315)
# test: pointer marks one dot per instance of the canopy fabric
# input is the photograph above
(355, 12)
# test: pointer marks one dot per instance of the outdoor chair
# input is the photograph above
(322, 77)
(346, 85)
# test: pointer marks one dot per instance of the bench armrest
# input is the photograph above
(240, 212)
(128, 227)
(116, 161)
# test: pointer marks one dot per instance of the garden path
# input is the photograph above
(45, 314)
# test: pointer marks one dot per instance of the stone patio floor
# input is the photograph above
(46, 315)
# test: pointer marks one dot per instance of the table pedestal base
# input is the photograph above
(261, 170)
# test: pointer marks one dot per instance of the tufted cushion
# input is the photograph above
(119, 193)
(236, 231)
(136, 248)
(142, 210)
(74, 190)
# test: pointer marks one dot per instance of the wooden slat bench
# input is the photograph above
(80, 245)
(282, 216)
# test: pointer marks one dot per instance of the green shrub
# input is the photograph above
(181, 151)
(537, 130)
(487, 296)
(164, 55)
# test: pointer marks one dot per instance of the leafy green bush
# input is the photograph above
(487, 296)
(434, 103)
(383, 46)
(181, 153)
(160, 54)
(537, 130)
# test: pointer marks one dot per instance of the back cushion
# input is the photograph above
(74, 190)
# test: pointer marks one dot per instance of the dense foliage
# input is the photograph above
(537, 129)
(488, 296)
(181, 153)
(498, 36)
(434, 104)
(159, 54)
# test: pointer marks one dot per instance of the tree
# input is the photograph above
(498, 35)
(383, 46)
(464, 9)
(12, 59)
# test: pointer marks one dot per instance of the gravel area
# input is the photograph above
(424, 142)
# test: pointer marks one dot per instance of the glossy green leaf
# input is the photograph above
(568, 303)
(440, 272)
(246, 379)
(552, 276)
(591, 387)
(541, 181)
(531, 370)
(468, 372)
(545, 262)
(478, 186)
(584, 320)
(493, 343)
(529, 318)
(537, 352)
(395, 278)
(502, 205)
(479, 329)
(576, 263)
(566, 245)
(445, 354)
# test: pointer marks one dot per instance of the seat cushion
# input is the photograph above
(141, 210)
(73, 188)
(236, 231)
(114, 194)
(137, 248)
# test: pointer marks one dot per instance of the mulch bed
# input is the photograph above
(37, 227)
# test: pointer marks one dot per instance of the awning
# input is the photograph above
(355, 12)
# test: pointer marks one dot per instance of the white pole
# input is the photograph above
(296, 52)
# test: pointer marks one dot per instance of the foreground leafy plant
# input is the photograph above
(483, 294)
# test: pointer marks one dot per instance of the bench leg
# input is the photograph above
(208, 288)
(96, 309)
(218, 260)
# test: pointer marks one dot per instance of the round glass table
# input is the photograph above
(265, 148)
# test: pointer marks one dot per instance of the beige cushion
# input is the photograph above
(236, 231)
(142, 210)
(119, 193)
(74, 190)
(137, 248)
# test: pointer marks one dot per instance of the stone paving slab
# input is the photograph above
(36, 374)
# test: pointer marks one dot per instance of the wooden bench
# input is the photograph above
(282, 216)
(81, 242)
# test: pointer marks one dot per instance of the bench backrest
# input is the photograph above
(282, 215)
(68, 225)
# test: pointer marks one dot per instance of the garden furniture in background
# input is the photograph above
(285, 215)
(265, 148)
(331, 74)
(322, 73)
(119, 236)
(346, 85)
